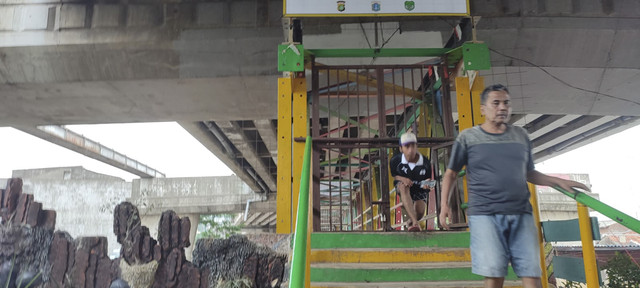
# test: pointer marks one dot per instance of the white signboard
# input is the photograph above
(333, 8)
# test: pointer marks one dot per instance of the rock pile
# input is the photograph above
(31, 249)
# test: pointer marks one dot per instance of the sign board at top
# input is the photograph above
(376, 8)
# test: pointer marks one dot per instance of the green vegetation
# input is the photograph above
(623, 272)
(218, 226)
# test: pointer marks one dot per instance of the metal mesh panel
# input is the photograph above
(358, 113)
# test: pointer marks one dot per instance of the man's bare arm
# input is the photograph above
(448, 179)
(539, 178)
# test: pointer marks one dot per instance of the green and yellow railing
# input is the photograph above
(301, 246)
(588, 251)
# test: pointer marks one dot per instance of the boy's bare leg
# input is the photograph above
(491, 282)
(407, 202)
(530, 282)
(420, 208)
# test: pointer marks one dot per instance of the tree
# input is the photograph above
(622, 272)
(217, 226)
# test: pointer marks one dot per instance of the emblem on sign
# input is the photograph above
(341, 6)
(375, 6)
(409, 5)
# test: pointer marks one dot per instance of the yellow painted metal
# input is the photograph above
(536, 218)
(389, 88)
(463, 97)
(284, 204)
(418, 255)
(364, 202)
(465, 115)
(300, 129)
(392, 196)
(424, 130)
(476, 91)
(588, 251)
(375, 197)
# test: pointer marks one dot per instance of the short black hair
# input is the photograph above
(489, 89)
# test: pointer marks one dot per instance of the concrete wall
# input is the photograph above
(198, 195)
(84, 200)
(84, 206)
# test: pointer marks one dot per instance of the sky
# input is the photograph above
(165, 146)
(610, 162)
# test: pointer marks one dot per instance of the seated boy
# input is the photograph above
(409, 169)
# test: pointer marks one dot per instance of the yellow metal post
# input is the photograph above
(465, 115)
(363, 199)
(300, 129)
(476, 91)
(469, 115)
(393, 197)
(375, 196)
(425, 129)
(463, 97)
(536, 218)
(588, 251)
(284, 204)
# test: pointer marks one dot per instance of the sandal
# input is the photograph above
(415, 228)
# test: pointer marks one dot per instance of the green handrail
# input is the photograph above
(606, 210)
(299, 257)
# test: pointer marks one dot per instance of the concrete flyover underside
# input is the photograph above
(573, 67)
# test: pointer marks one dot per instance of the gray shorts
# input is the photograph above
(499, 239)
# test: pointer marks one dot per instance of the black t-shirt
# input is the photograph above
(399, 166)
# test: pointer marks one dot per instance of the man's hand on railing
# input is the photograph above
(538, 178)
(568, 185)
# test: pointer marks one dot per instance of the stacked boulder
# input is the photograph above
(162, 262)
(32, 252)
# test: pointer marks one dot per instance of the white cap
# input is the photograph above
(408, 138)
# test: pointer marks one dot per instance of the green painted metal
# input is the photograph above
(476, 56)
(568, 230)
(290, 57)
(389, 240)
(604, 209)
(397, 275)
(454, 56)
(570, 268)
(348, 119)
(386, 52)
(299, 258)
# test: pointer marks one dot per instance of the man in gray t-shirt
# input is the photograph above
(499, 164)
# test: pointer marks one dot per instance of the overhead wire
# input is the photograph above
(562, 81)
